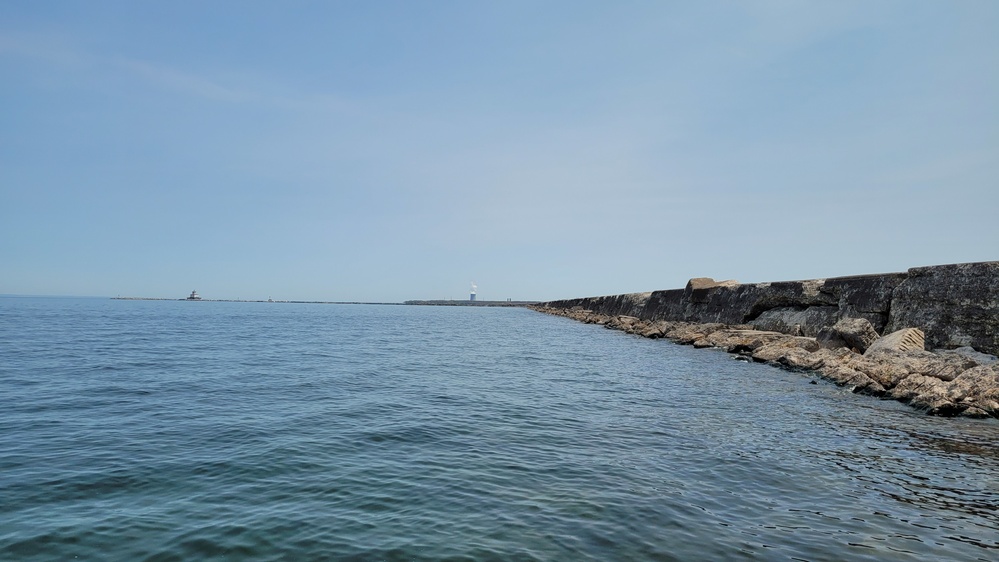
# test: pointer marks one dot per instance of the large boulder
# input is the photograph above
(978, 388)
(854, 333)
(943, 367)
(773, 351)
(829, 338)
(801, 359)
(906, 339)
(739, 341)
(857, 381)
(887, 373)
(688, 333)
(974, 393)
(858, 333)
(925, 393)
(621, 322)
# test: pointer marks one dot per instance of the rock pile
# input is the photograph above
(850, 353)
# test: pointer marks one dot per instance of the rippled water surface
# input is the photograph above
(149, 430)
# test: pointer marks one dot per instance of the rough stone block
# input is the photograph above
(906, 339)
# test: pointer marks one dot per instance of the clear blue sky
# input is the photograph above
(385, 151)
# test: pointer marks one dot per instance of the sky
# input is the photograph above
(385, 151)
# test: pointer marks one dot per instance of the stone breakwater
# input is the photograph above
(870, 333)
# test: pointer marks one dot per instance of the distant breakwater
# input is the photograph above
(245, 300)
(510, 303)
(870, 332)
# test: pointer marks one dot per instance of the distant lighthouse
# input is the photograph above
(471, 296)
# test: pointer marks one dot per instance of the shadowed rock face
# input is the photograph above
(954, 305)
(797, 320)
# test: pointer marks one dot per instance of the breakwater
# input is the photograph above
(835, 327)
(509, 303)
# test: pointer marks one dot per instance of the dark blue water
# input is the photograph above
(196, 430)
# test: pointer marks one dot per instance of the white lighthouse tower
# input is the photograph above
(471, 296)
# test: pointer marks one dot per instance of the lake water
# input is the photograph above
(161, 430)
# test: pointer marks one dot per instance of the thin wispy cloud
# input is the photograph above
(57, 50)
(347, 142)
(185, 83)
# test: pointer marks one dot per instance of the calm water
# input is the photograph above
(196, 430)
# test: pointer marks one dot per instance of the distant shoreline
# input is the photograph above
(247, 300)
(522, 304)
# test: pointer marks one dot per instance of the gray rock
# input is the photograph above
(817, 360)
(857, 381)
(796, 321)
(978, 386)
(853, 333)
(829, 338)
(621, 322)
(688, 333)
(738, 341)
(970, 353)
(927, 393)
(955, 305)
(974, 412)
(858, 333)
(774, 351)
(943, 367)
(887, 373)
(865, 296)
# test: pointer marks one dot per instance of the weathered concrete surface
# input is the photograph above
(954, 305)
(954, 308)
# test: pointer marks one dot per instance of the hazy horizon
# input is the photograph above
(393, 151)
(448, 298)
